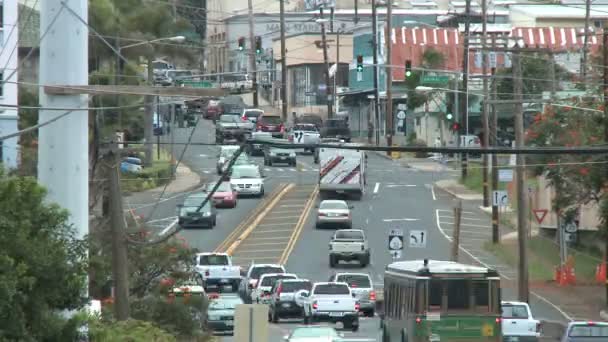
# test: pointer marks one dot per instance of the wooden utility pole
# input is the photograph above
(283, 62)
(495, 143)
(326, 63)
(464, 114)
(336, 79)
(389, 74)
(149, 116)
(484, 113)
(605, 89)
(456, 232)
(252, 55)
(520, 180)
(120, 273)
(375, 70)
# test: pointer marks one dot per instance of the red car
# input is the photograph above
(271, 124)
(212, 111)
(225, 196)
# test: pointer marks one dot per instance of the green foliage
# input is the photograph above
(432, 59)
(42, 264)
(130, 330)
(419, 143)
(535, 76)
(158, 174)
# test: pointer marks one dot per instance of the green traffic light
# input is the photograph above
(240, 48)
(408, 73)
(449, 116)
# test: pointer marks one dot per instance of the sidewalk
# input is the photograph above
(578, 302)
(185, 180)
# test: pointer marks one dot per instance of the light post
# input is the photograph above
(149, 100)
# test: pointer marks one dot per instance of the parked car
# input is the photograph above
(361, 285)
(131, 164)
(276, 155)
(283, 302)
(224, 196)
(271, 123)
(189, 217)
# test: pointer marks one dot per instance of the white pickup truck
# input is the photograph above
(349, 244)
(304, 134)
(216, 269)
(331, 302)
(518, 325)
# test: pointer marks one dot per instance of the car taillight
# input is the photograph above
(315, 305)
(206, 273)
(345, 215)
(282, 128)
(418, 320)
(357, 306)
(538, 327)
(498, 320)
(279, 289)
(322, 214)
(243, 118)
(372, 295)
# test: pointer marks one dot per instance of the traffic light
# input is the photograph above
(258, 45)
(241, 43)
(359, 63)
(408, 68)
(456, 127)
(449, 116)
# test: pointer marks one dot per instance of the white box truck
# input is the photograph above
(342, 171)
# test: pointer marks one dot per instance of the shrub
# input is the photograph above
(419, 143)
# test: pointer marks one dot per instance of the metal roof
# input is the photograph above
(435, 266)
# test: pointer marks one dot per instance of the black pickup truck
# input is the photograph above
(336, 128)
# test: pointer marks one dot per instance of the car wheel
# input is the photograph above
(354, 328)
(275, 317)
(262, 192)
(332, 261)
(369, 313)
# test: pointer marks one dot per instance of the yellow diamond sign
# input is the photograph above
(487, 330)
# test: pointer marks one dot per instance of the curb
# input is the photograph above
(453, 193)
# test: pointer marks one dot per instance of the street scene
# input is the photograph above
(311, 170)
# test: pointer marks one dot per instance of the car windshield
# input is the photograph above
(271, 120)
(229, 118)
(355, 280)
(349, 235)
(332, 289)
(314, 332)
(333, 205)
(295, 286)
(514, 311)
(252, 113)
(335, 123)
(270, 280)
(257, 272)
(245, 172)
(224, 304)
(589, 331)
(195, 201)
(224, 187)
(305, 128)
(214, 260)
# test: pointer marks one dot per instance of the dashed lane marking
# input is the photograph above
(376, 188)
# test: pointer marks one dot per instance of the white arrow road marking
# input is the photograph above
(401, 219)
(400, 185)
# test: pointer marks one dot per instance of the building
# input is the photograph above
(557, 15)
(9, 35)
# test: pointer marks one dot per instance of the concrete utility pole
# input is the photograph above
(605, 89)
(149, 116)
(120, 272)
(484, 114)
(326, 62)
(252, 55)
(389, 74)
(464, 114)
(495, 143)
(375, 70)
(283, 62)
(520, 180)
(63, 152)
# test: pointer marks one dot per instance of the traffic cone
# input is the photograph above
(600, 273)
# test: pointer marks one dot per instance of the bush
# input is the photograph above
(130, 330)
(419, 143)
(150, 177)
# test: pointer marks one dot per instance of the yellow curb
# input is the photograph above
(258, 219)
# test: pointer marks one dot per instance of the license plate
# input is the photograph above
(283, 158)
(257, 145)
(333, 215)
(229, 323)
(224, 281)
(335, 314)
(286, 305)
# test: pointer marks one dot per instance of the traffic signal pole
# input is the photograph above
(252, 55)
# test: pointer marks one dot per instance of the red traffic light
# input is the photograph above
(359, 59)
(456, 126)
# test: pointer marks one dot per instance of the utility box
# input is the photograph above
(251, 323)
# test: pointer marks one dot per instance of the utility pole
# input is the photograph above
(494, 138)
(605, 89)
(203, 34)
(583, 71)
(464, 114)
(389, 74)
(375, 70)
(520, 180)
(63, 153)
(326, 69)
(160, 128)
(149, 115)
(456, 232)
(120, 272)
(336, 104)
(252, 55)
(484, 114)
(283, 62)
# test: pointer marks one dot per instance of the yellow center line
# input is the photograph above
(299, 226)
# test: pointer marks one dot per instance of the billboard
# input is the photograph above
(311, 5)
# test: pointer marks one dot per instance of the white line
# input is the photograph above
(168, 228)
(376, 188)
(280, 170)
(433, 193)
(462, 231)
(465, 218)
(467, 224)
(400, 185)
(293, 170)
(562, 312)
(401, 219)
(251, 251)
(246, 243)
(464, 212)
(268, 238)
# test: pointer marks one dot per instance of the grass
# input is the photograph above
(543, 256)
(158, 174)
(474, 180)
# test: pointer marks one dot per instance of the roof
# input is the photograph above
(435, 266)
(560, 11)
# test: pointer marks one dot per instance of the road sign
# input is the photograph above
(435, 79)
(402, 106)
(396, 254)
(570, 227)
(418, 238)
(395, 240)
(401, 115)
(505, 175)
(195, 84)
(540, 214)
(500, 198)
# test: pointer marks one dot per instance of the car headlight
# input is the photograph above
(273, 154)
(292, 154)
(207, 214)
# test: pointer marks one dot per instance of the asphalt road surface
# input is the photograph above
(396, 197)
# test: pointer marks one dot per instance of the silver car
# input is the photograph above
(226, 153)
(334, 213)
(362, 287)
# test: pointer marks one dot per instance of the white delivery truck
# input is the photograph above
(342, 171)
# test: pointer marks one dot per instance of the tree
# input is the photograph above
(535, 75)
(431, 59)
(42, 264)
(130, 330)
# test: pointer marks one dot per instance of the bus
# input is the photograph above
(432, 300)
